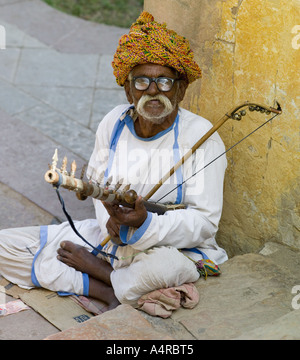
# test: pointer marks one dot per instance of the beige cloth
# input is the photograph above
(163, 301)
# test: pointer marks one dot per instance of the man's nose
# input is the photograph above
(153, 89)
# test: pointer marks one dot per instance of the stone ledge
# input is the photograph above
(122, 323)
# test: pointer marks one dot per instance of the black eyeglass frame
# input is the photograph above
(151, 80)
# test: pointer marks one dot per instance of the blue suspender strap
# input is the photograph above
(117, 131)
(177, 157)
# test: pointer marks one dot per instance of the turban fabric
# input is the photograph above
(151, 42)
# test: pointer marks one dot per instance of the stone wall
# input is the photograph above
(248, 50)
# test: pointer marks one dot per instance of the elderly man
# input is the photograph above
(138, 142)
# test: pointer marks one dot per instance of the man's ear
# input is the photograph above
(183, 85)
(128, 92)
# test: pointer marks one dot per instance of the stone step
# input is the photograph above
(251, 299)
(122, 323)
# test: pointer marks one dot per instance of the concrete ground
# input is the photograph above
(56, 83)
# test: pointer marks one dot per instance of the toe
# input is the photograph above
(67, 245)
(63, 244)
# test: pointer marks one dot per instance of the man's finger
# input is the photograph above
(112, 231)
(139, 203)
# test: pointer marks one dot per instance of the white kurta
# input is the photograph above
(142, 162)
(121, 154)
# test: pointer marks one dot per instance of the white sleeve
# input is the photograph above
(196, 225)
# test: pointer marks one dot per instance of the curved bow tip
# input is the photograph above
(278, 110)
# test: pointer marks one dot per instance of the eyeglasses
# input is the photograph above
(163, 83)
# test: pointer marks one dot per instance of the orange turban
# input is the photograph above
(151, 42)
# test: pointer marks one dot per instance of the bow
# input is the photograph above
(236, 114)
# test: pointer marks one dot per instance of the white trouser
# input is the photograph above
(135, 273)
(17, 250)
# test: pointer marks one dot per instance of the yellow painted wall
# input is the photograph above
(248, 50)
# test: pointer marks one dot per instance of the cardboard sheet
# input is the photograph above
(8, 288)
(62, 312)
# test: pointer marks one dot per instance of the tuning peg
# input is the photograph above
(119, 184)
(83, 172)
(127, 187)
(63, 169)
(73, 169)
(100, 177)
(108, 182)
(54, 161)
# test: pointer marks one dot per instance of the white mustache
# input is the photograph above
(156, 119)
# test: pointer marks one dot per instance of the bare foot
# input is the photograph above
(100, 290)
(81, 259)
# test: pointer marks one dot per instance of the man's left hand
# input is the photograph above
(127, 216)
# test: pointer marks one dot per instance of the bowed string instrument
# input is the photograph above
(126, 196)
